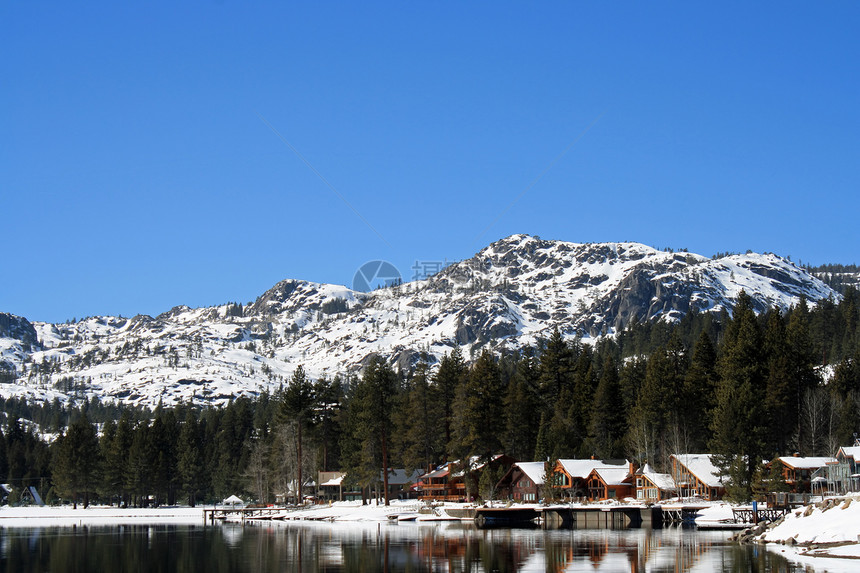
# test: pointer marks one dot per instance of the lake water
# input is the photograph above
(377, 547)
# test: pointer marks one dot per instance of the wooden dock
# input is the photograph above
(749, 515)
(242, 514)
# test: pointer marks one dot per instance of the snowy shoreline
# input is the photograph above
(66, 516)
(830, 528)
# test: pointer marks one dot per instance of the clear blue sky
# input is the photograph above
(138, 169)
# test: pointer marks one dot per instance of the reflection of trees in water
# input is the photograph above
(335, 548)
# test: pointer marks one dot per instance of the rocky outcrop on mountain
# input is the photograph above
(513, 292)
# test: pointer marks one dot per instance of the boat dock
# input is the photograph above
(212, 515)
(579, 517)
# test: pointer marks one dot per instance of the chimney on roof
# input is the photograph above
(592, 456)
(797, 454)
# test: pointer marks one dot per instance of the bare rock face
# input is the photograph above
(513, 293)
(19, 328)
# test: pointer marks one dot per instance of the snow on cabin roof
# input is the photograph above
(663, 481)
(439, 472)
(581, 468)
(806, 463)
(613, 476)
(701, 466)
(851, 452)
(333, 481)
(534, 470)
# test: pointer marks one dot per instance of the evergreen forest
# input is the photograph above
(745, 387)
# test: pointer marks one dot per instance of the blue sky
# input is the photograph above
(140, 166)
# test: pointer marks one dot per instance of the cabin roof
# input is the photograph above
(400, 477)
(613, 476)
(440, 472)
(335, 481)
(701, 466)
(662, 481)
(850, 452)
(581, 468)
(534, 470)
(806, 463)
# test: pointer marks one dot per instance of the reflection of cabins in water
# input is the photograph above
(843, 474)
(653, 487)
(696, 475)
(522, 482)
(593, 479)
(798, 471)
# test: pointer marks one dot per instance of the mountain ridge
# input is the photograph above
(511, 293)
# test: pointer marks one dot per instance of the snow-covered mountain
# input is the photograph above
(511, 293)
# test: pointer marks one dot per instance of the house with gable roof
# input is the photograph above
(574, 477)
(798, 471)
(610, 482)
(843, 474)
(522, 482)
(696, 475)
(652, 486)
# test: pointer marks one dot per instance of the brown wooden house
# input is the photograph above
(696, 475)
(522, 482)
(575, 480)
(653, 487)
(610, 483)
(797, 471)
(448, 481)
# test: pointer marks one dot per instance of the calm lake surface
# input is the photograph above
(362, 547)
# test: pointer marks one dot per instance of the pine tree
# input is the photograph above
(607, 422)
(739, 423)
(370, 412)
(523, 409)
(76, 461)
(420, 438)
(449, 378)
(297, 405)
(479, 423)
(699, 390)
(190, 458)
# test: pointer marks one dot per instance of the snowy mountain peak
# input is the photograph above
(511, 293)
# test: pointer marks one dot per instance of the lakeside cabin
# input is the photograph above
(653, 487)
(798, 471)
(593, 480)
(522, 482)
(330, 486)
(448, 481)
(610, 483)
(696, 475)
(843, 474)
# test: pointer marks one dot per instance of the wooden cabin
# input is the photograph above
(434, 485)
(843, 474)
(797, 471)
(522, 482)
(448, 481)
(610, 483)
(400, 483)
(653, 487)
(330, 486)
(696, 476)
(571, 476)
